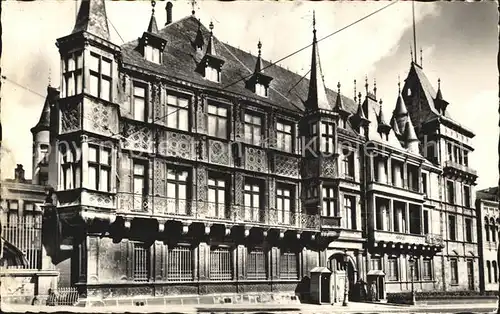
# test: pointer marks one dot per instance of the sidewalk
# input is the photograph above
(263, 308)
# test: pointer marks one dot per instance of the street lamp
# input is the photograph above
(412, 267)
(346, 282)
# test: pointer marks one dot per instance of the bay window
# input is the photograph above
(100, 76)
(72, 74)
(99, 168)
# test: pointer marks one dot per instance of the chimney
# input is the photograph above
(19, 173)
(169, 13)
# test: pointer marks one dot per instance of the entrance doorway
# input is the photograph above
(343, 271)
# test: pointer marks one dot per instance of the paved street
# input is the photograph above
(265, 308)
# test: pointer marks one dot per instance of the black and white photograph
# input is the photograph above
(203, 156)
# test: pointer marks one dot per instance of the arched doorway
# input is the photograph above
(342, 271)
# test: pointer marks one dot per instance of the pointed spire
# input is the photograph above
(383, 127)
(50, 76)
(395, 127)
(411, 53)
(258, 65)
(44, 121)
(375, 88)
(381, 118)
(360, 112)
(439, 95)
(210, 45)
(153, 27)
(338, 102)
(316, 98)
(410, 138)
(92, 18)
(400, 109)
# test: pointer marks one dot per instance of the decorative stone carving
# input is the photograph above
(255, 159)
(97, 199)
(70, 117)
(238, 188)
(218, 152)
(137, 137)
(286, 166)
(100, 119)
(179, 145)
(159, 184)
(201, 181)
(201, 119)
(329, 168)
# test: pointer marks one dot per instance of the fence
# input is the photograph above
(25, 232)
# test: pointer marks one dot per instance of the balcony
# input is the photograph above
(177, 209)
(458, 169)
(397, 191)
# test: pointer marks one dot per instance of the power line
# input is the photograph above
(123, 41)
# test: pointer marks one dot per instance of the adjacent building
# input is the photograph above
(182, 165)
(487, 225)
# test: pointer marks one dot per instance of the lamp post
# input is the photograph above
(412, 267)
(346, 282)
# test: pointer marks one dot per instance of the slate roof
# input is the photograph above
(180, 61)
(44, 121)
(92, 18)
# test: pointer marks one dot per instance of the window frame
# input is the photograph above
(469, 238)
(144, 86)
(427, 269)
(329, 198)
(70, 165)
(177, 183)
(216, 272)
(217, 118)
(394, 268)
(467, 196)
(251, 128)
(252, 271)
(149, 52)
(101, 76)
(255, 211)
(285, 216)
(350, 210)
(348, 164)
(146, 269)
(217, 188)
(452, 227)
(488, 269)
(286, 136)
(99, 166)
(72, 75)
(143, 201)
(286, 271)
(327, 137)
(177, 108)
(450, 192)
(454, 280)
(183, 270)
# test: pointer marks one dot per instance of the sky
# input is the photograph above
(458, 40)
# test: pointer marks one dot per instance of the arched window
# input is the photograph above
(488, 269)
(495, 270)
(493, 228)
(487, 228)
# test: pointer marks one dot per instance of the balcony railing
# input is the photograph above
(456, 165)
(164, 206)
(407, 238)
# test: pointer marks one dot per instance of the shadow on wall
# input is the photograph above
(304, 290)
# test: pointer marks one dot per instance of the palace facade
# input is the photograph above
(182, 165)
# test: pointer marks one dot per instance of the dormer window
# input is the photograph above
(212, 74)
(261, 90)
(152, 54)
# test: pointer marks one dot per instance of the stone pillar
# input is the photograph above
(389, 171)
(203, 261)
(275, 255)
(85, 162)
(407, 218)
(372, 169)
(240, 268)
(405, 175)
(391, 216)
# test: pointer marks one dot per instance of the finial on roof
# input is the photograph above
(411, 53)
(355, 97)
(314, 21)
(152, 27)
(366, 84)
(359, 98)
(153, 3)
(259, 47)
(338, 87)
(439, 83)
(421, 57)
(211, 26)
(399, 84)
(193, 3)
(375, 87)
(50, 79)
(259, 66)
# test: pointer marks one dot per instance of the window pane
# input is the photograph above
(139, 109)
(182, 191)
(92, 154)
(221, 183)
(221, 130)
(255, 201)
(212, 109)
(138, 185)
(70, 64)
(78, 77)
(105, 154)
(79, 60)
(183, 119)
(139, 91)
(138, 169)
(92, 177)
(221, 196)
(105, 89)
(222, 111)
(171, 190)
(183, 175)
(248, 200)
(70, 85)
(183, 103)
(106, 67)
(94, 85)
(94, 63)
(211, 196)
(104, 180)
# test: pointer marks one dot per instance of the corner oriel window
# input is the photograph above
(70, 168)
(100, 77)
(72, 74)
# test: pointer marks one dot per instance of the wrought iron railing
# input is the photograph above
(456, 165)
(164, 206)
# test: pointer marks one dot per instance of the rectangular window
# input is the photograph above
(70, 168)
(44, 154)
(139, 101)
(256, 264)
(329, 202)
(261, 90)
(177, 113)
(284, 201)
(466, 158)
(29, 207)
(284, 137)
(452, 227)
(221, 265)
(217, 197)
(253, 129)
(99, 168)
(13, 205)
(450, 151)
(348, 163)
(289, 265)
(140, 185)
(72, 74)
(252, 198)
(212, 74)
(376, 263)
(180, 264)
(393, 271)
(467, 201)
(327, 137)
(350, 212)
(450, 191)
(424, 183)
(488, 268)
(141, 262)
(427, 269)
(177, 190)
(217, 121)
(468, 230)
(454, 271)
(100, 76)
(152, 54)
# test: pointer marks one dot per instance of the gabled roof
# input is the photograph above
(92, 18)
(288, 90)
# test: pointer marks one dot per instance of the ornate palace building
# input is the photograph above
(488, 237)
(185, 166)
